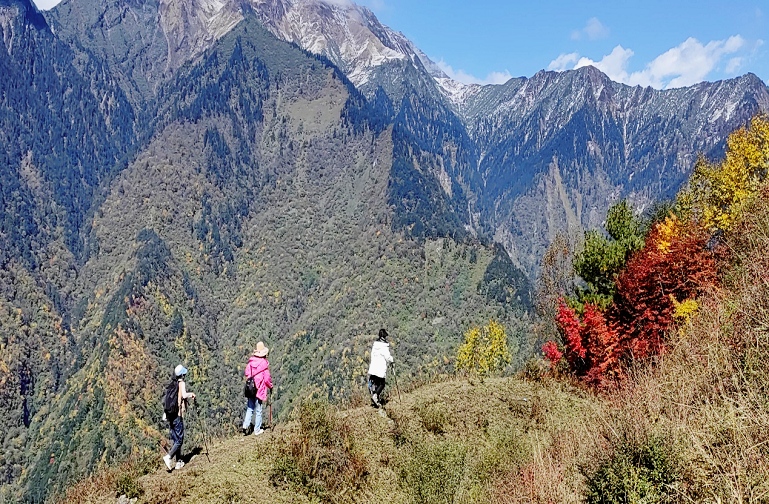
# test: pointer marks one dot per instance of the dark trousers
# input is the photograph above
(376, 385)
(177, 437)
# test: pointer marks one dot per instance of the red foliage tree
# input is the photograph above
(552, 353)
(674, 262)
(642, 311)
(589, 344)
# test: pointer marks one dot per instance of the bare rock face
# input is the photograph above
(347, 34)
(192, 26)
(143, 41)
(351, 37)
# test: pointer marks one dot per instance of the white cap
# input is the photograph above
(180, 371)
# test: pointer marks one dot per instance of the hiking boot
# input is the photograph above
(167, 460)
(258, 431)
(179, 465)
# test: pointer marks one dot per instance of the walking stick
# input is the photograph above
(203, 425)
(397, 388)
(269, 400)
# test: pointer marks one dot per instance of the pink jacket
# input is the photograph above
(259, 368)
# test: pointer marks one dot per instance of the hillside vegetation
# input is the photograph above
(683, 422)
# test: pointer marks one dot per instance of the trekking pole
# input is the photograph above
(269, 401)
(397, 388)
(203, 428)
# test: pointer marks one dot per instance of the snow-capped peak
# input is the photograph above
(351, 37)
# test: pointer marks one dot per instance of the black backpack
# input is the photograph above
(249, 390)
(171, 400)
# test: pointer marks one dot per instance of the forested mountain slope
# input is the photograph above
(267, 200)
(64, 130)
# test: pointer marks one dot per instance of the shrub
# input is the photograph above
(507, 449)
(634, 472)
(168, 492)
(673, 267)
(317, 420)
(128, 484)
(535, 369)
(433, 416)
(485, 350)
(590, 344)
(552, 353)
(433, 471)
(320, 459)
(229, 493)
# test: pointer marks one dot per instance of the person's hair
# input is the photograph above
(382, 335)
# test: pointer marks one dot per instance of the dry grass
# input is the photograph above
(488, 438)
(708, 394)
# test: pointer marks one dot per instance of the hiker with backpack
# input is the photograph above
(258, 380)
(174, 406)
(380, 356)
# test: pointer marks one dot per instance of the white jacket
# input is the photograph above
(380, 356)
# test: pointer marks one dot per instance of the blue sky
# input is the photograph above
(658, 43)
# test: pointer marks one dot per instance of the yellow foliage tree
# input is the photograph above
(667, 231)
(717, 191)
(485, 350)
(685, 310)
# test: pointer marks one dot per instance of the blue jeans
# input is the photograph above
(254, 408)
(177, 437)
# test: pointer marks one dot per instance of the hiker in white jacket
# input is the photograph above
(380, 356)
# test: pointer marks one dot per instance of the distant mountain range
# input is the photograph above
(604, 139)
(545, 153)
(183, 178)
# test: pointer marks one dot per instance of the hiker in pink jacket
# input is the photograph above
(259, 368)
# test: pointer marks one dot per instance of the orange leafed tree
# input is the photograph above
(675, 265)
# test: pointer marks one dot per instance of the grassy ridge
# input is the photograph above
(452, 441)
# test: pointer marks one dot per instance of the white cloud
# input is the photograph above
(684, 65)
(563, 62)
(613, 64)
(690, 62)
(594, 30)
(460, 75)
(734, 65)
